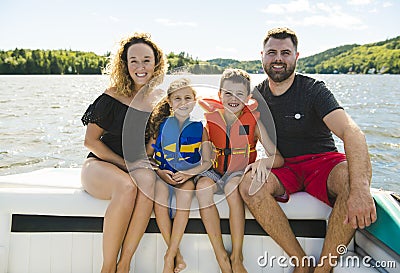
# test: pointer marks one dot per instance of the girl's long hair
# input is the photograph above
(163, 109)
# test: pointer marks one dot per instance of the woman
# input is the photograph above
(117, 168)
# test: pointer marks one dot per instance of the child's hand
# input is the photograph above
(166, 175)
(181, 177)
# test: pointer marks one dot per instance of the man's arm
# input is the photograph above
(361, 207)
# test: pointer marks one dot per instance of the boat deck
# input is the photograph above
(49, 224)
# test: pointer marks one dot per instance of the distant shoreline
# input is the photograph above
(376, 58)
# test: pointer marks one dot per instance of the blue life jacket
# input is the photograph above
(176, 149)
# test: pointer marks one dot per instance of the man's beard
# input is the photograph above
(282, 75)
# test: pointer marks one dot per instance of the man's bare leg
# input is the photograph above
(338, 233)
(271, 217)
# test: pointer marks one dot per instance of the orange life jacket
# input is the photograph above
(236, 149)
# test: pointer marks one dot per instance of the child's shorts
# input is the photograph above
(220, 180)
(309, 173)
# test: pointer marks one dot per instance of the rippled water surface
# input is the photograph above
(40, 119)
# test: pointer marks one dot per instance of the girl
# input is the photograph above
(175, 146)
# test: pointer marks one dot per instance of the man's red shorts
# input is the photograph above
(309, 173)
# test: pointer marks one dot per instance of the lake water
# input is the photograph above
(40, 123)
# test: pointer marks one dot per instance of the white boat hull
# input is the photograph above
(49, 224)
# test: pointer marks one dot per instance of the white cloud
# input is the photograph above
(172, 23)
(359, 2)
(387, 4)
(295, 6)
(112, 18)
(320, 15)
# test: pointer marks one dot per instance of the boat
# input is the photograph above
(48, 223)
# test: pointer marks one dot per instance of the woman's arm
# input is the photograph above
(95, 145)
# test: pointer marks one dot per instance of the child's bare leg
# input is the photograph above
(179, 262)
(205, 189)
(184, 194)
(236, 223)
(162, 218)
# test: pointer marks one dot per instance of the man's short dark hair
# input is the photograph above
(281, 33)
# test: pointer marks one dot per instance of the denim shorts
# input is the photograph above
(220, 180)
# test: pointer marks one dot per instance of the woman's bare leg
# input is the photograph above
(106, 181)
(145, 179)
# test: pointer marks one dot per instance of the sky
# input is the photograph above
(205, 29)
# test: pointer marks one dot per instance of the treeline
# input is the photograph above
(375, 58)
(253, 67)
(26, 61)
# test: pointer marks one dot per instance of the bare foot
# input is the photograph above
(179, 263)
(225, 265)
(168, 264)
(123, 268)
(237, 265)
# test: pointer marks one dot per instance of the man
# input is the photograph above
(305, 114)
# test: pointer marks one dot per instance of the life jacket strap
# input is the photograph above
(235, 151)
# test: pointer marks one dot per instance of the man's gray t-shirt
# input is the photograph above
(298, 115)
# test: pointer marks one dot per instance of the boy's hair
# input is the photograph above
(237, 76)
(282, 33)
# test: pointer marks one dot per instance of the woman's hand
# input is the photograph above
(139, 164)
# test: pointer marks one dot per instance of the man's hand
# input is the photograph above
(259, 174)
(361, 209)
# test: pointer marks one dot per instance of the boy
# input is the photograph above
(233, 129)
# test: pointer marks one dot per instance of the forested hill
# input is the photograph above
(375, 58)
(381, 57)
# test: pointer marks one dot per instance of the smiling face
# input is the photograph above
(279, 59)
(141, 64)
(233, 96)
(182, 102)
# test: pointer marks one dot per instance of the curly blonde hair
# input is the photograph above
(117, 68)
(163, 109)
